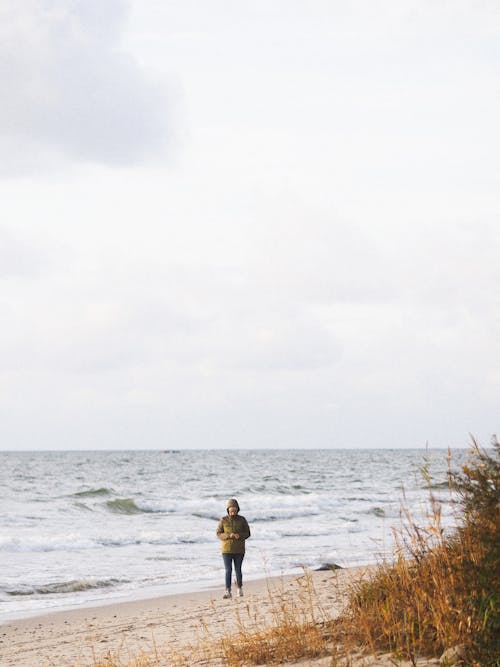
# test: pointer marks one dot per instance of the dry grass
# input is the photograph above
(154, 658)
(439, 591)
(298, 628)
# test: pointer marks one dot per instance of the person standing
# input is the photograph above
(233, 530)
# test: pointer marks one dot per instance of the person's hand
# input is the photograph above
(235, 536)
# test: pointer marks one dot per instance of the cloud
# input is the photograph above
(294, 345)
(21, 257)
(69, 91)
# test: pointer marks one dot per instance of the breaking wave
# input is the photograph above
(62, 587)
(104, 491)
(125, 506)
(40, 544)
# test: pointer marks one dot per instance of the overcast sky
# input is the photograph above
(249, 224)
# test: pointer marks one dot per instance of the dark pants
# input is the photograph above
(237, 559)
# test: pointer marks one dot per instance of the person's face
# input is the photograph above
(232, 511)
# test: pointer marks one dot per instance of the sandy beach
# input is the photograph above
(168, 625)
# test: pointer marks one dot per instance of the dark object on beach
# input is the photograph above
(328, 566)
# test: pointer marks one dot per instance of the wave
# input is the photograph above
(64, 587)
(376, 511)
(277, 489)
(440, 485)
(185, 538)
(83, 506)
(305, 533)
(41, 544)
(103, 491)
(131, 506)
(261, 507)
(280, 515)
(125, 506)
(206, 515)
(67, 544)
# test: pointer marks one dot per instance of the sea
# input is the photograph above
(84, 528)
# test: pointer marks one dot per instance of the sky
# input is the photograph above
(249, 224)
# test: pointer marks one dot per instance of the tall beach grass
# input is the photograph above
(442, 590)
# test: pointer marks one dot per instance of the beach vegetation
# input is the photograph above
(296, 627)
(441, 590)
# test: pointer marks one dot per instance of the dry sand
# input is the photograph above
(170, 623)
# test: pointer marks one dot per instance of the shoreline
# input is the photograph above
(150, 593)
(79, 635)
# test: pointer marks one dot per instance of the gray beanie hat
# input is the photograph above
(232, 502)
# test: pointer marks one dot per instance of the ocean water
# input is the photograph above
(80, 528)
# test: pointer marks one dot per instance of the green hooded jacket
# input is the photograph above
(233, 524)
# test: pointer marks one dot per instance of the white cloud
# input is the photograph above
(72, 91)
(22, 257)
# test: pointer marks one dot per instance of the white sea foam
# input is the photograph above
(34, 543)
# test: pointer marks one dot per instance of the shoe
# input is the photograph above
(239, 592)
(227, 594)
